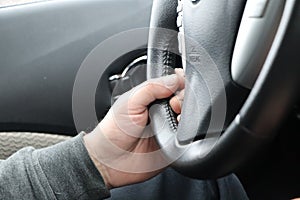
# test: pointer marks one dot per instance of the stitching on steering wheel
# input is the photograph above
(167, 64)
(170, 116)
(166, 67)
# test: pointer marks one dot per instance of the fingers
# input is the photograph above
(159, 88)
(178, 118)
(176, 102)
(181, 75)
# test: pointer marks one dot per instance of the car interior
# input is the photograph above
(241, 63)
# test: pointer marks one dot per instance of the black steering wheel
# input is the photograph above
(228, 113)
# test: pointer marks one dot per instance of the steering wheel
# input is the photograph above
(242, 78)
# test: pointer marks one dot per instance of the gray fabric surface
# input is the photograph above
(63, 171)
(11, 142)
(174, 186)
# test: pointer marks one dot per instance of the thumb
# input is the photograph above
(153, 89)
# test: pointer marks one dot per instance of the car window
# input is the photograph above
(5, 3)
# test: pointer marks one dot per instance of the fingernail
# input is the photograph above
(180, 72)
(170, 80)
(178, 118)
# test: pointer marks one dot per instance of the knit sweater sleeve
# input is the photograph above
(63, 171)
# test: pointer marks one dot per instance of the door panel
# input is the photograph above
(42, 46)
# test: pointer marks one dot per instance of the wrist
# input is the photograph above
(102, 169)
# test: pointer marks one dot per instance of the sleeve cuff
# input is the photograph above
(70, 172)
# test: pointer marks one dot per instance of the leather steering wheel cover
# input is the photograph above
(244, 135)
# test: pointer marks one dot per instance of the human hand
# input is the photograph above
(122, 145)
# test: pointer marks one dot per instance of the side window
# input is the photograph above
(6, 3)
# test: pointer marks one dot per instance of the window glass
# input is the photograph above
(5, 3)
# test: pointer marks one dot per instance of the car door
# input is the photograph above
(42, 46)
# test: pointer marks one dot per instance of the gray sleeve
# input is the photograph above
(63, 171)
(231, 188)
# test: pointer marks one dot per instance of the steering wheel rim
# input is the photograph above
(251, 127)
